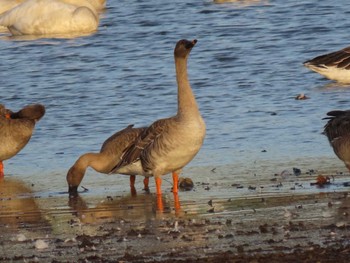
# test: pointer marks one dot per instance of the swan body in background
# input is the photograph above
(8, 4)
(49, 17)
(16, 129)
(169, 144)
(334, 66)
(95, 5)
(104, 161)
(99, 5)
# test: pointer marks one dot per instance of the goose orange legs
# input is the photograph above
(175, 183)
(160, 205)
(1, 169)
(175, 191)
(132, 185)
(145, 184)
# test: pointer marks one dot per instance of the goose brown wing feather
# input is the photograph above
(143, 142)
(335, 58)
(117, 134)
(338, 124)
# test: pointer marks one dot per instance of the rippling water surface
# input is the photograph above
(245, 70)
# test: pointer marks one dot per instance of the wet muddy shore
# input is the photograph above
(280, 217)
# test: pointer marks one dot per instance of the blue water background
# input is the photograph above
(245, 70)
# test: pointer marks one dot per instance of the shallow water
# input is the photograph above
(245, 70)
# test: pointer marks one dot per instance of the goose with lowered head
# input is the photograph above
(103, 162)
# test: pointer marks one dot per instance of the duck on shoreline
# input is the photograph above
(16, 129)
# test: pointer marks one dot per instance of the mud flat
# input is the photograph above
(279, 217)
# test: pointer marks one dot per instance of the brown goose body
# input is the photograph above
(337, 130)
(170, 144)
(16, 129)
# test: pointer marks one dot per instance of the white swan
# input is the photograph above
(8, 4)
(49, 17)
(98, 5)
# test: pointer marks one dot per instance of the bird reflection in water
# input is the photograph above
(18, 209)
(342, 218)
(132, 207)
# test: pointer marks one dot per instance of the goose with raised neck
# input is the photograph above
(16, 129)
(170, 144)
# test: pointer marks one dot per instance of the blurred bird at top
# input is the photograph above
(52, 17)
(334, 65)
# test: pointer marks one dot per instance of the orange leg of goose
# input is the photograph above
(132, 180)
(159, 185)
(132, 185)
(175, 182)
(1, 169)
(146, 183)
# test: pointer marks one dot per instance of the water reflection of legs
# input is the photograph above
(160, 205)
(175, 182)
(177, 205)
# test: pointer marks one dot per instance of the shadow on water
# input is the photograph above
(18, 207)
(132, 207)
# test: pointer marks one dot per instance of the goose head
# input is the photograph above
(5, 112)
(183, 48)
(74, 177)
(33, 112)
